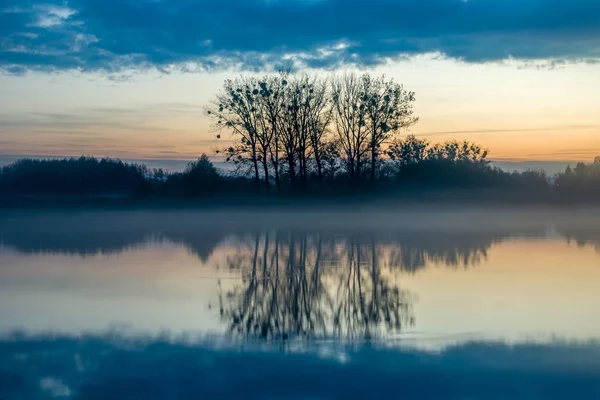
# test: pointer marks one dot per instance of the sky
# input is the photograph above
(129, 78)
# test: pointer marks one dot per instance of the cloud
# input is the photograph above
(143, 119)
(188, 35)
(511, 130)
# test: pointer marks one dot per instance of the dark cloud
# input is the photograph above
(116, 35)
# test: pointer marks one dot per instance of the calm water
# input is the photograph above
(424, 303)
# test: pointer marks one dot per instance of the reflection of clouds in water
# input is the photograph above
(159, 368)
(55, 387)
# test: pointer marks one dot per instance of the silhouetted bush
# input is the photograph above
(446, 173)
(199, 178)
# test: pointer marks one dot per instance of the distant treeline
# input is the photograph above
(406, 172)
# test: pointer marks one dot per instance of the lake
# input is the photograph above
(422, 302)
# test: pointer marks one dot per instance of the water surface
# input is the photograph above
(427, 293)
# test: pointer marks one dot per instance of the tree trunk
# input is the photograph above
(265, 163)
(303, 173)
(358, 168)
(319, 167)
(255, 163)
(374, 135)
(373, 164)
(275, 161)
(276, 171)
(292, 169)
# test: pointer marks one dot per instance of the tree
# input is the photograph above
(331, 159)
(319, 118)
(295, 127)
(202, 169)
(389, 109)
(273, 107)
(199, 177)
(458, 151)
(410, 150)
(237, 108)
(350, 118)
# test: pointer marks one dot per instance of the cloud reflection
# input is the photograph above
(109, 366)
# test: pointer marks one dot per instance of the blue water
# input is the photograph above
(423, 304)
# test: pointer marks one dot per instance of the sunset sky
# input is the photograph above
(129, 78)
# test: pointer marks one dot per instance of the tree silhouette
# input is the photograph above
(237, 109)
(410, 150)
(350, 121)
(389, 109)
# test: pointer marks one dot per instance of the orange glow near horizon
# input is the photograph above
(518, 113)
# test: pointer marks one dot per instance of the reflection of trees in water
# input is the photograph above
(582, 237)
(90, 242)
(409, 251)
(82, 243)
(417, 250)
(281, 286)
(406, 250)
(300, 285)
(368, 302)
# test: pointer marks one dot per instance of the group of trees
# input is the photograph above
(83, 175)
(289, 128)
(107, 177)
(583, 178)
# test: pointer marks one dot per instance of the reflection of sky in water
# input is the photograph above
(103, 367)
(514, 285)
(178, 305)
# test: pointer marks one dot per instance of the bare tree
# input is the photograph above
(389, 108)
(305, 120)
(272, 107)
(319, 119)
(240, 109)
(350, 119)
(282, 122)
(234, 111)
(298, 120)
